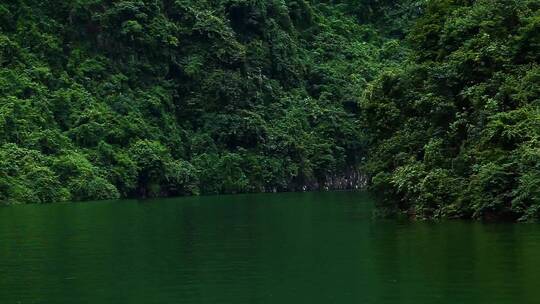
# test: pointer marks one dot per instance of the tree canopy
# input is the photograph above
(436, 101)
(106, 99)
(455, 130)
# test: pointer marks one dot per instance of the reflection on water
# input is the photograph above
(267, 248)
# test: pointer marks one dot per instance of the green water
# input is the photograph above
(269, 248)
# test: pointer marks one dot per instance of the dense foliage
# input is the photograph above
(437, 101)
(105, 99)
(456, 131)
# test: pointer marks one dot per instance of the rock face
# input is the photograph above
(350, 179)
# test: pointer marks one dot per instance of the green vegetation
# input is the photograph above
(455, 132)
(106, 99)
(437, 101)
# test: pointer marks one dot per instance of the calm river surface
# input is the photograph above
(268, 248)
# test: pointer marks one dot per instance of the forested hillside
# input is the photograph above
(105, 99)
(437, 102)
(455, 132)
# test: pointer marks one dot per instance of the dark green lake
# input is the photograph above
(267, 248)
